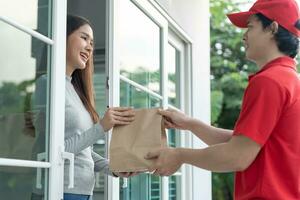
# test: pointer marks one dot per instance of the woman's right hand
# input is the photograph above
(174, 119)
(117, 116)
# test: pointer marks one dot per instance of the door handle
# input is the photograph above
(65, 156)
(40, 157)
(70, 157)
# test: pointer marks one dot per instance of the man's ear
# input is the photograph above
(274, 27)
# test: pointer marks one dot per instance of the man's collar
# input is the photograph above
(284, 61)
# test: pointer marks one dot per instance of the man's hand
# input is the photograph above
(117, 116)
(167, 161)
(174, 119)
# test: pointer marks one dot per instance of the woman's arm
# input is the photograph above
(101, 164)
(80, 141)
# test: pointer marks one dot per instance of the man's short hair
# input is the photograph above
(287, 42)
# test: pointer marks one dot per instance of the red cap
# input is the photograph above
(284, 12)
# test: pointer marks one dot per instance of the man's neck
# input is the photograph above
(268, 58)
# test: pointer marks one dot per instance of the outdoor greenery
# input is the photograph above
(229, 78)
(229, 71)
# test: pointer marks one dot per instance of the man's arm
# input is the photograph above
(208, 134)
(235, 155)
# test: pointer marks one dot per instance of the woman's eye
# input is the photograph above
(83, 37)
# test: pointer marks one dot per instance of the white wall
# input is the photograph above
(193, 17)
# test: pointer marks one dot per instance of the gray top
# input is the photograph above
(80, 134)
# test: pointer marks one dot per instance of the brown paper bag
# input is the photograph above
(129, 144)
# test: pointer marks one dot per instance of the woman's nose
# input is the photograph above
(89, 47)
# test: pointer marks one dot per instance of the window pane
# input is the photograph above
(141, 187)
(144, 186)
(139, 47)
(100, 100)
(174, 180)
(132, 96)
(173, 70)
(24, 95)
(173, 75)
(20, 183)
(174, 187)
(34, 14)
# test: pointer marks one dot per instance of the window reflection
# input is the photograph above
(100, 101)
(139, 47)
(18, 184)
(24, 78)
(34, 14)
(173, 75)
(132, 96)
(173, 70)
(23, 92)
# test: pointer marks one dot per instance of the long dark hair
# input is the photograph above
(82, 79)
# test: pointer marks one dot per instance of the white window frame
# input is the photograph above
(57, 101)
(185, 101)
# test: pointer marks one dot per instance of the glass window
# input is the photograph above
(100, 101)
(139, 47)
(173, 70)
(174, 180)
(34, 14)
(173, 75)
(141, 187)
(174, 187)
(20, 183)
(100, 83)
(132, 96)
(144, 186)
(24, 95)
(24, 99)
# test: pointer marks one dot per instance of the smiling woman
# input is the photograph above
(83, 125)
(80, 60)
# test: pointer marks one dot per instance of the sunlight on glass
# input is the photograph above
(139, 49)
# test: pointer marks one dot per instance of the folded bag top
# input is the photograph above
(130, 143)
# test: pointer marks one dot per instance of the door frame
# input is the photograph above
(54, 181)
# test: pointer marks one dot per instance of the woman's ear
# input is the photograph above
(274, 27)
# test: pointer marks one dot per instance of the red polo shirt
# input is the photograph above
(270, 116)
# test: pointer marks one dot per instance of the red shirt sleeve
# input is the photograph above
(261, 109)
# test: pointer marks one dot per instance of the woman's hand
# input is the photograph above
(117, 116)
(174, 119)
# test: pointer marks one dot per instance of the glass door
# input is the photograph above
(138, 76)
(32, 61)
